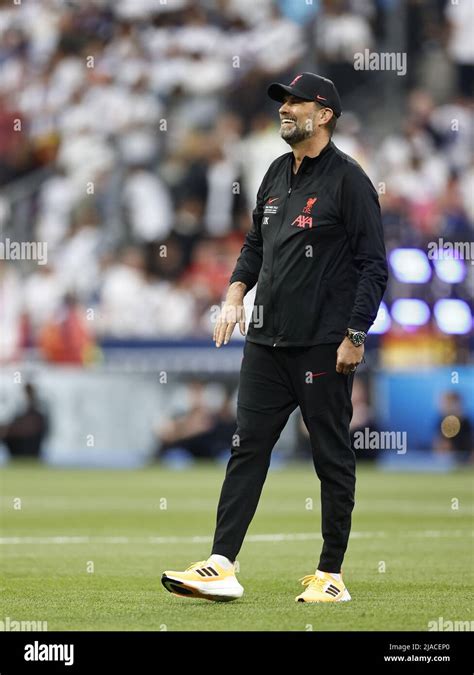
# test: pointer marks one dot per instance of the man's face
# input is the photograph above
(299, 119)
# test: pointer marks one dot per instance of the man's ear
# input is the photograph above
(321, 109)
(329, 114)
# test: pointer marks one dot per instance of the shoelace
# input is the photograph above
(312, 578)
(309, 578)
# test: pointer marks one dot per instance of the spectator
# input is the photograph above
(460, 17)
(25, 433)
(199, 432)
(454, 433)
(148, 205)
(11, 319)
(66, 338)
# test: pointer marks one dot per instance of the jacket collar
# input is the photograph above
(307, 163)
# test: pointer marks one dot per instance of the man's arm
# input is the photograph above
(362, 220)
(249, 261)
(243, 278)
(363, 223)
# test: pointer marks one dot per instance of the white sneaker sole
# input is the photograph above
(223, 590)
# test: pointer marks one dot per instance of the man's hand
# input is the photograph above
(232, 312)
(348, 357)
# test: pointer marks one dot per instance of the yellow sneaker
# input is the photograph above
(322, 587)
(204, 579)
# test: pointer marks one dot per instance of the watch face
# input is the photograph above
(357, 338)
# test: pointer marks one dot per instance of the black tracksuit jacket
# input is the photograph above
(316, 249)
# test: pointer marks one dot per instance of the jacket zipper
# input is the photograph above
(288, 194)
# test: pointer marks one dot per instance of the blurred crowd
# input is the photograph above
(134, 135)
(201, 424)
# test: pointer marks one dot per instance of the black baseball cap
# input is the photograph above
(309, 87)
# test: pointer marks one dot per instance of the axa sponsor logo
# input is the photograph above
(305, 219)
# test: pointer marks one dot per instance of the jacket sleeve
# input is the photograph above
(362, 220)
(249, 261)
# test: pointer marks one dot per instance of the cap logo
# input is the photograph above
(320, 98)
(295, 80)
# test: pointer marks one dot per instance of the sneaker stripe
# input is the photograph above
(211, 569)
(206, 572)
(332, 590)
(201, 573)
(334, 587)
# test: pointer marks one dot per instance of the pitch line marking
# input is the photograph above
(252, 538)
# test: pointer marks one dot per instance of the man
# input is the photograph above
(316, 249)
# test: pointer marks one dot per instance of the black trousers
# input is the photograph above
(273, 382)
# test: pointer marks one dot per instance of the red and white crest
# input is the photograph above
(309, 204)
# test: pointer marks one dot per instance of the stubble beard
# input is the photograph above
(296, 133)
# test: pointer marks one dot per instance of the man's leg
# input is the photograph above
(325, 400)
(265, 401)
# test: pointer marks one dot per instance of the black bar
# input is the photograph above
(150, 652)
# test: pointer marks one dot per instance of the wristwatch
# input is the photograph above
(357, 337)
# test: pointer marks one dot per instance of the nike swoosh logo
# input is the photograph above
(321, 98)
(270, 201)
(318, 374)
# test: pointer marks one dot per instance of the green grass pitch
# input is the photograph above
(84, 550)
